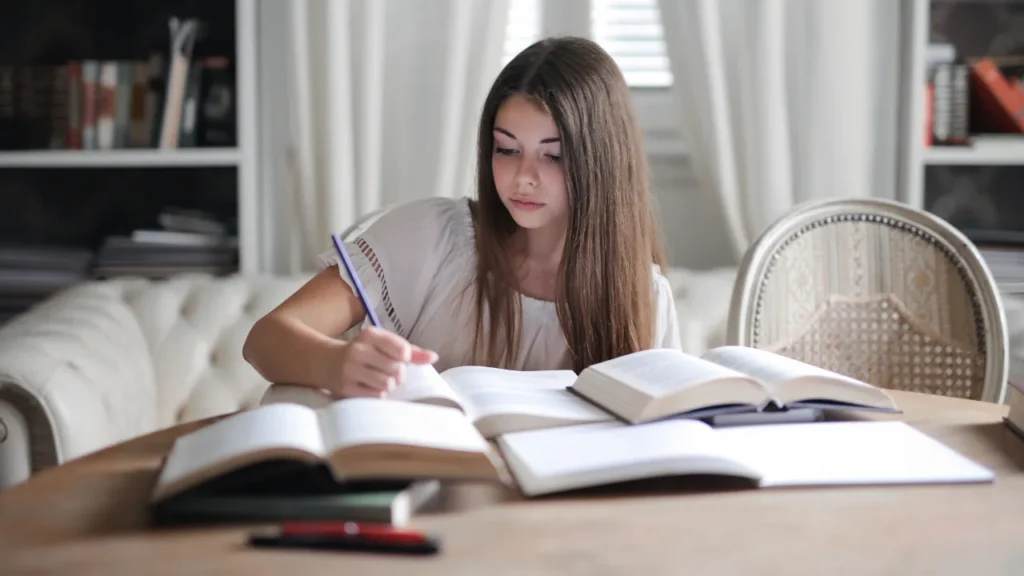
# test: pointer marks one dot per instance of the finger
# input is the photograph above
(360, 390)
(376, 359)
(421, 356)
(390, 344)
(372, 377)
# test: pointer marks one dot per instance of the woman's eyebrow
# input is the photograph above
(513, 136)
(505, 132)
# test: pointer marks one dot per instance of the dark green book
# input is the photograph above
(390, 506)
(280, 491)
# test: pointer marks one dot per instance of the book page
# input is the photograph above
(848, 453)
(246, 436)
(422, 383)
(541, 397)
(769, 367)
(559, 459)
(659, 372)
(371, 421)
(790, 379)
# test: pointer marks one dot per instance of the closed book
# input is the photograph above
(383, 502)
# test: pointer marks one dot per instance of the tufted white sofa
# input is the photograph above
(105, 361)
(108, 360)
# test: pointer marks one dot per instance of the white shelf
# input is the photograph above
(984, 151)
(184, 157)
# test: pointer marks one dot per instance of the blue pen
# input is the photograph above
(351, 270)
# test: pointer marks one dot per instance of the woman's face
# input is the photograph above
(527, 164)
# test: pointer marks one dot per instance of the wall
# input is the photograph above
(691, 221)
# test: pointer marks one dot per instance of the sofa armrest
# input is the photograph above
(77, 369)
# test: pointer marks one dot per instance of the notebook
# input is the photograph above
(817, 454)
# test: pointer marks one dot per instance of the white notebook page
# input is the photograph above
(595, 454)
(838, 453)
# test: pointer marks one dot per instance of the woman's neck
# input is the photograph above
(536, 260)
(541, 247)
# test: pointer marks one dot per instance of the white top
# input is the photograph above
(414, 262)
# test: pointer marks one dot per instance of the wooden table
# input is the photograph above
(87, 516)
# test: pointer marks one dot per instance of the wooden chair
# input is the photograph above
(878, 291)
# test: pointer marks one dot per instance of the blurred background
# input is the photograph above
(169, 136)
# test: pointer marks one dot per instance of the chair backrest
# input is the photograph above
(878, 291)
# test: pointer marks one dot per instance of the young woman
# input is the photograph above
(555, 265)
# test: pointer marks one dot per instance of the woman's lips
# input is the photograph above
(526, 205)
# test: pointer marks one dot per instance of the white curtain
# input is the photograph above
(382, 103)
(784, 101)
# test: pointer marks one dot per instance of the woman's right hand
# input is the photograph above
(373, 364)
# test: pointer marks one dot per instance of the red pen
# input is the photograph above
(355, 536)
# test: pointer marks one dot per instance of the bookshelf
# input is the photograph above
(126, 185)
(974, 185)
(984, 151)
(991, 163)
(121, 158)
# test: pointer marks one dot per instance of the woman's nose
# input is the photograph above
(526, 175)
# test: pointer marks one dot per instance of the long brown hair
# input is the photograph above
(605, 297)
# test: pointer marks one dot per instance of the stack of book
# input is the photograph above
(187, 241)
(30, 274)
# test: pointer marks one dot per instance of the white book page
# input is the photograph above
(422, 383)
(659, 372)
(490, 392)
(848, 453)
(273, 427)
(771, 368)
(572, 457)
(366, 421)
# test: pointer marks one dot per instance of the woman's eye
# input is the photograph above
(555, 157)
(504, 151)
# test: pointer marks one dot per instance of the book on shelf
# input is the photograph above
(172, 97)
(997, 99)
(658, 383)
(354, 440)
(611, 454)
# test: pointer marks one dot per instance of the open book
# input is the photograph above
(821, 454)
(653, 384)
(356, 439)
(501, 401)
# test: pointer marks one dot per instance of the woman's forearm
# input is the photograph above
(284, 350)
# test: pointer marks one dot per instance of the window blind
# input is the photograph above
(630, 30)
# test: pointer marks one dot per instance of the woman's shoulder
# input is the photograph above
(425, 217)
(427, 232)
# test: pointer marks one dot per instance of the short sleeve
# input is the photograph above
(666, 328)
(400, 255)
